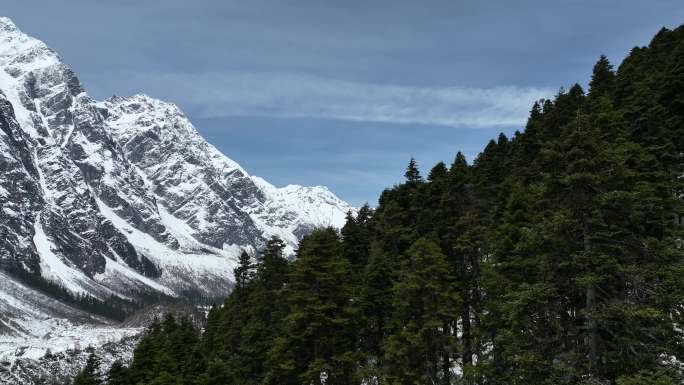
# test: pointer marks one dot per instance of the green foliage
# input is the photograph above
(163, 356)
(657, 377)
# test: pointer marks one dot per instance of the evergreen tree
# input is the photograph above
(118, 374)
(272, 268)
(412, 173)
(438, 171)
(356, 237)
(459, 168)
(376, 307)
(212, 330)
(424, 302)
(243, 331)
(319, 336)
(217, 373)
(244, 272)
(145, 353)
(602, 78)
(90, 375)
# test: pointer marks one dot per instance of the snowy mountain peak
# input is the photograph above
(184, 169)
(140, 103)
(6, 24)
(143, 115)
(22, 49)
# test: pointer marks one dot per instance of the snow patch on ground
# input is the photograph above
(32, 323)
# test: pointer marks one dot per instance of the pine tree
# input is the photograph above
(217, 373)
(251, 319)
(459, 168)
(244, 272)
(376, 307)
(438, 171)
(602, 78)
(145, 355)
(488, 176)
(518, 322)
(90, 375)
(212, 330)
(319, 335)
(412, 174)
(467, 249)
(118, 374)
(272, 267)
(356, 237)
(423, 301)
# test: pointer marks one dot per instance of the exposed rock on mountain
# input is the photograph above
(120, 198)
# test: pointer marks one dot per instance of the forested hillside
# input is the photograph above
(554, 258)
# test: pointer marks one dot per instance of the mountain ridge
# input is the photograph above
(123, 197)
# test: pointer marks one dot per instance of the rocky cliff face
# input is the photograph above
(123, 196)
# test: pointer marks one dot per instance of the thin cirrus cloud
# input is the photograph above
(304, 96)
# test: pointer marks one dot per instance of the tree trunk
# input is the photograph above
(592, 337)
(466, 336)
(591, 328)
(446, 357)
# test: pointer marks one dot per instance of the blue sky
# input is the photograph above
(342, 93)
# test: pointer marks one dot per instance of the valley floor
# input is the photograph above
(33, 325)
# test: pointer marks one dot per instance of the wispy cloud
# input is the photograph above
(289, 95)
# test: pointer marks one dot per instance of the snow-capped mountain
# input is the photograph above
(123, 196)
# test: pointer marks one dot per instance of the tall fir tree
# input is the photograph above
(319, 337)
(602, 78)
(412, 173)
(118, 374)
(423, 303)
(244, 272)
(90, 375)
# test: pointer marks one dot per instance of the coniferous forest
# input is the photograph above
(554, 257)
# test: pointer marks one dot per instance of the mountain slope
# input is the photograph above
(123, 197)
